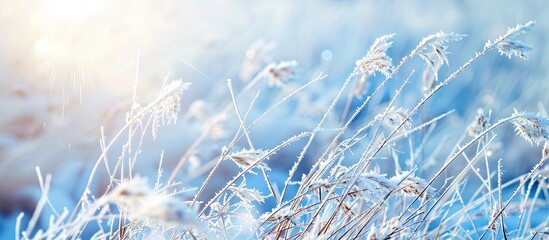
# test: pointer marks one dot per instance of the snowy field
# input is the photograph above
(274, 119)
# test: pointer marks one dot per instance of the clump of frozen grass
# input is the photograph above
(147, 210)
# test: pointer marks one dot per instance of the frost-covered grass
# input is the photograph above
(412, 141)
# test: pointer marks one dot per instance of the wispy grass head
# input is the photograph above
(435, 54)
(534, 128)
(376, 60)
(280, 73)
(247, 157)
(508, 45)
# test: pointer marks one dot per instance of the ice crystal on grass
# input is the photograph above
(534, 128)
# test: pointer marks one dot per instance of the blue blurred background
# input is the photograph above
(68, 68)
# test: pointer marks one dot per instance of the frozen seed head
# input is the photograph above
(129, 193)
(507, 44)
(379, 179)
(321, 183)
(520, 29)
(371, 186)
(140, 203)
(248, 195)
(339, 172)
(248, 157)
(534, 128)
(170, 100)
(412, 185)
(394, 119)
(279, 73)
(441, 38)
(376, 60)
(167, 104)
(478, 125)
(510, 48)
(167, 210)
(434, 53)
(435, 58)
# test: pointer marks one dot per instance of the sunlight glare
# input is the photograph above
(73, 10)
